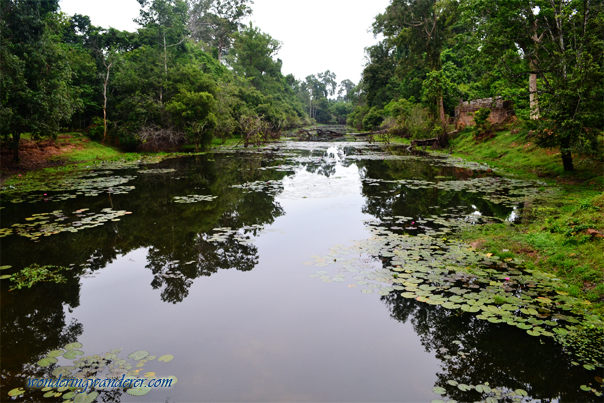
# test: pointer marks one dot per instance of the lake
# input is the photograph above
(299, 272)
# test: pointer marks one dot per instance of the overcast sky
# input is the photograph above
(317, 35)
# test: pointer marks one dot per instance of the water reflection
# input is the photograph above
(186, 245)
(502, 355)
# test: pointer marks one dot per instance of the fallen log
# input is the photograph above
(424, 143)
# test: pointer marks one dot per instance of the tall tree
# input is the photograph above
(214, 22)
(35, 86)
(423, 27)
(346, 90)
(166, 24)
(560, 42)
(254, 56)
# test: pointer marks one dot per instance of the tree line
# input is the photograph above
(544, 55)
(191, 71)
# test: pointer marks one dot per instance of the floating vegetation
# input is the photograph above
(193, 198)
(242, 235)
(157, 171)
(488, 393)
(35, 274)
(47, 224)
(437, 271)
(281, 168)
(85, 183)
(108, 370)
(271, 187)
(509, 192)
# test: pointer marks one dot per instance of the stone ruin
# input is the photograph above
(501, 111)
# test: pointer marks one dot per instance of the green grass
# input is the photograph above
(511, 150)
(552, 236)
(93, 151)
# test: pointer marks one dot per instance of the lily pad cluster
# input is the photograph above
(453, 275)
(271, 187)
(86, 184)
(435, 224)
(280, 168)
(509, 192)
(488, 393)
(193, 198)
(47, 224)
(103, 367)
(243, 235)
(157, 171)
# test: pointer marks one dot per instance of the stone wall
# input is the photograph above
(500, 111)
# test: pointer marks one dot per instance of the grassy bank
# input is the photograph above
(73, 151)
(562, 236)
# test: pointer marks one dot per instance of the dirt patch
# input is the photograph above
(478, 244)
(34, 155)
(529, 252)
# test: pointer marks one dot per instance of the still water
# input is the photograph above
(241, 288)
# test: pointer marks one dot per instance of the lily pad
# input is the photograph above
(72, 354)
(367, 291)
(166, 358)
(439, 391)
(86, 397)
(55, 353)
(73, 346)
(138, 355)
(16, 392)
(47, 362)
(138, 391)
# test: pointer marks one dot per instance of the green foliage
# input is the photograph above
(158, 86)
(96, 130)
(481, 116)
(214, 22)
(561, 43)
(355, 119)
(585, 342)
(37, 90)
(35, 274)
(373, 119)
(193, 113)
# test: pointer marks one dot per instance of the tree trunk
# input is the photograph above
(567, 158)
(567, 161)
(443, 139)
(533, 97)
(16, 140)
(105, 103)
(441, 109)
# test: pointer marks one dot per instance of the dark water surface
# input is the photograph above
(242, 317)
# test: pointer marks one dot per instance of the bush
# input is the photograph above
(97, 128)
(153, 138)
(481, 117)
(373, 119)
